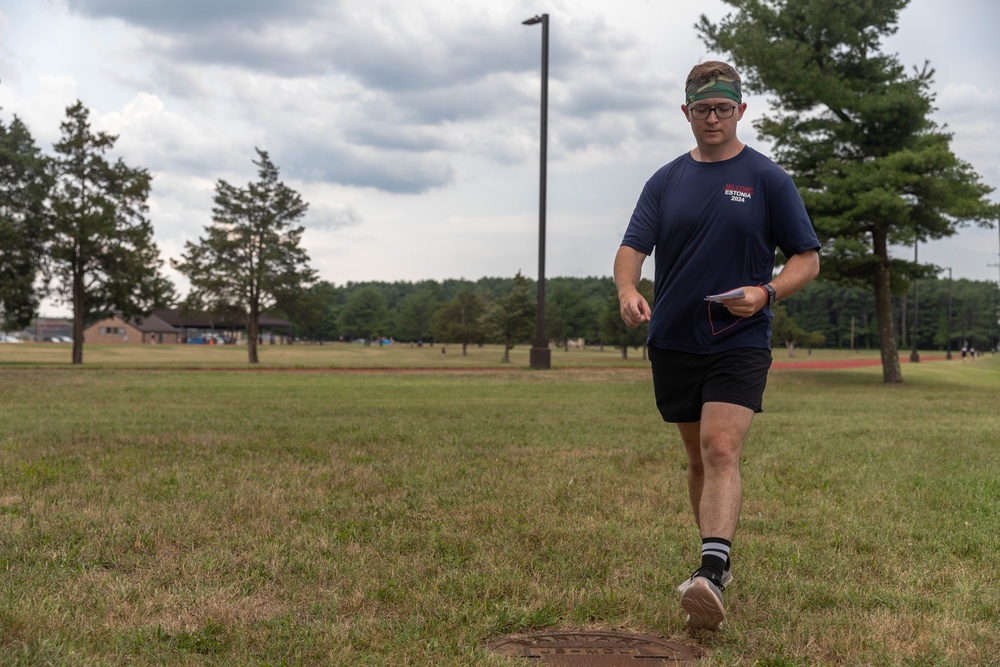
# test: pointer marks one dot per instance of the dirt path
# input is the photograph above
(806, 364)
(794, 364)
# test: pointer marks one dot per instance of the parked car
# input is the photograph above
(207, 340)
(7, 338)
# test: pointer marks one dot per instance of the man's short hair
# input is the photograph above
(705, 72)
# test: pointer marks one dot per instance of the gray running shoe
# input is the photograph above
(703, 602)
(727, 578)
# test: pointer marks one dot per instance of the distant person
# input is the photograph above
(714, 217)
(965, 351)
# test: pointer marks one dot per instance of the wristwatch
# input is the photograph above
(772, 296)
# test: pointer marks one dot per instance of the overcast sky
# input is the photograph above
(412, 128)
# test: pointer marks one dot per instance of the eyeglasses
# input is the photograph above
(721, 112)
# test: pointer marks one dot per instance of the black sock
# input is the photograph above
(715, 555)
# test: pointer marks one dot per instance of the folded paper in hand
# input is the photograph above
(725, 296)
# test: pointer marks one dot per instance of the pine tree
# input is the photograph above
(24, 186)
(102, 255)
(459, 321)
(511, 317)
(251, 258)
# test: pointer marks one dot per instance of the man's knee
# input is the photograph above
(721, 452)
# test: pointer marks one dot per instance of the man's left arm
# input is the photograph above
(795, 274)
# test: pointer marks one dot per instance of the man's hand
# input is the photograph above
(628, 266)
(753, 300)
(634, 309)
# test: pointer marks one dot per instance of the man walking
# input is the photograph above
(714, 217)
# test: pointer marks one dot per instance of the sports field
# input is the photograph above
(168, 506)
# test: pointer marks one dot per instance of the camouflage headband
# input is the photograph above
(720, 86)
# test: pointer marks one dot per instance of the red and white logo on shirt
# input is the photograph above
(739, 193)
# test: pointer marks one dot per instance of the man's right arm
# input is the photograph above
(628, 271)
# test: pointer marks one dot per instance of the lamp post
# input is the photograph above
(541, 355)
(997, 348)
(914, 354)
(948, 323)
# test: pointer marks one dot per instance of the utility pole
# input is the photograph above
(914, 354)
(997, 347)
(997, 265)
(540, 356)
(948, 323)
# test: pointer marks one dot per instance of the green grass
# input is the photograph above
(282, 518)
(340, 356)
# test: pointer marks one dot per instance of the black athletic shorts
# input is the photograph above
(683, 382)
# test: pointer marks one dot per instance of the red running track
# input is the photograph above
(842, 363)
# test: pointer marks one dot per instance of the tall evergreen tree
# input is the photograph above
(102, 255)
(24, 187)
(251, 259)
(854, 131)
(511, 317)
(459, 320)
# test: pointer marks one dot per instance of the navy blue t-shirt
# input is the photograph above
(714, 227)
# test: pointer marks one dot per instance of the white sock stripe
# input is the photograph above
(715, 549)
(716, 545)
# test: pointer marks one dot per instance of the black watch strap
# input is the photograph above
(772, 296)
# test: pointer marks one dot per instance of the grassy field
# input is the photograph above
(409, 518)
(342, 356)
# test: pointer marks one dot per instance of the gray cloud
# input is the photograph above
(392, 137)
(185, 15)
(331, 219)
(398, 172)
(397, 87)
(304, 38)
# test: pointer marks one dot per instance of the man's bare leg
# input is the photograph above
(714, 447)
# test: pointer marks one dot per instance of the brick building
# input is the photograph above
(168, 325)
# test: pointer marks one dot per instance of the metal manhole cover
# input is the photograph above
(595, 648)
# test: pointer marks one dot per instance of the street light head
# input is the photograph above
(532, 21)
